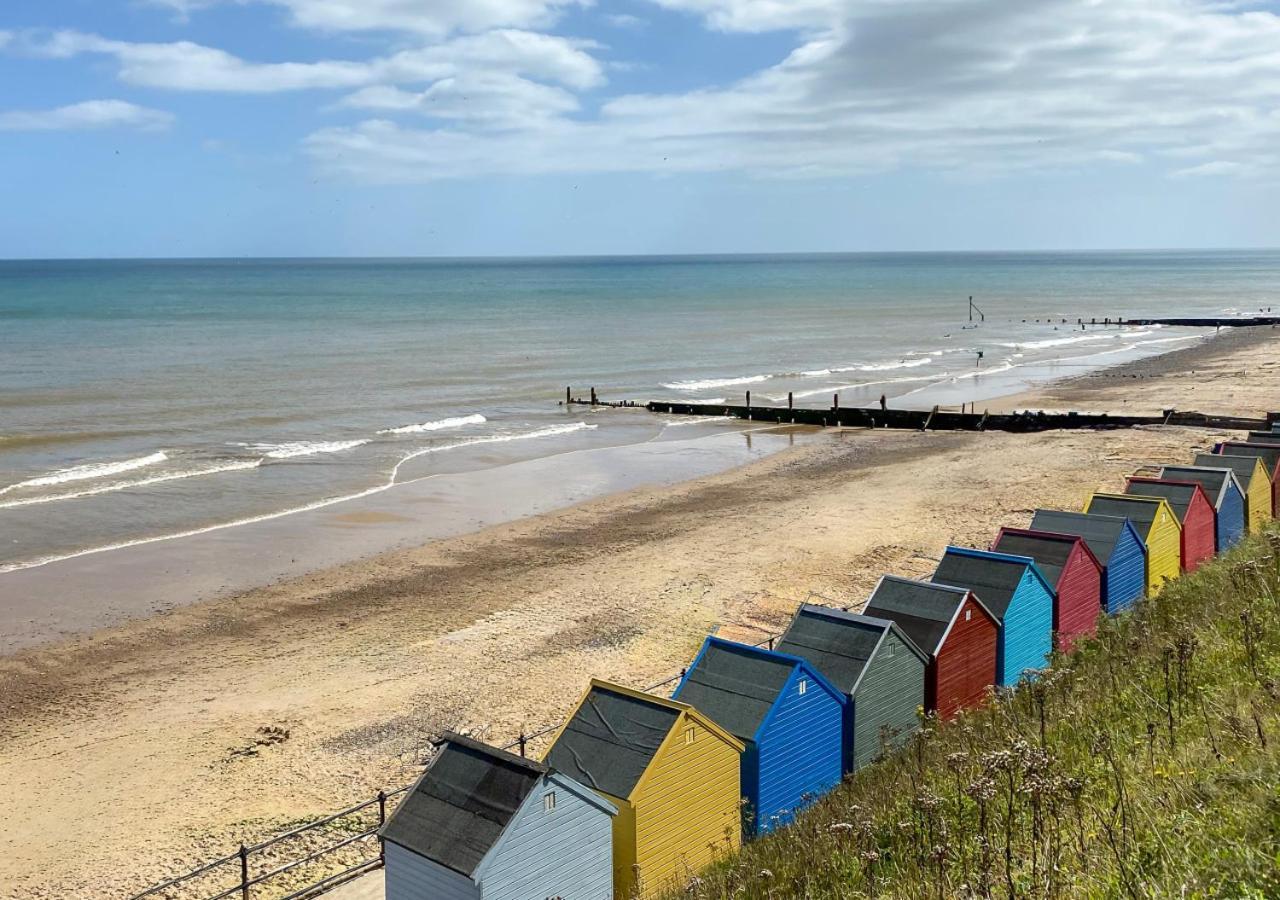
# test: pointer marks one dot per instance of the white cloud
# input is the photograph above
(183, 65)
(85, 115)
(975, 86)
(494, 99)
(5, 38)
(764, 15)
(1211, 169)
(429, 17)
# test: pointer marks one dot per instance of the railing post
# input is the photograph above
(244, 872)
(523, 740)
(382, 820)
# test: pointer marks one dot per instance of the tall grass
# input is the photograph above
(1145, 764)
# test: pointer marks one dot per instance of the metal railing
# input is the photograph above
(236, 875)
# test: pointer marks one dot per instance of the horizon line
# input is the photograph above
(608, 256)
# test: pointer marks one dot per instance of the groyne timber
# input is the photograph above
(935, 419)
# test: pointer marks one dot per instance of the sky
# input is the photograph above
(176, 128)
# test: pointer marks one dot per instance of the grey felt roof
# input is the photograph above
(1050, 551)
(993, 580)
(1214, 481)
(1099, 532)
(1243, 466)
(1263, 437)
(922, 610)
(1139, 513)
(839, 644)
(735, 685)
(1179, 494)
(611, 740)
(462, 803)
(1269, 455)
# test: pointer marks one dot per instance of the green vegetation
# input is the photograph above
(1146, 764)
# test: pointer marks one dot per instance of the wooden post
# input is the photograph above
(244, 873)
(593, 396)
(523, 742)
(835, 405)
(568, 396)
(929, 419)
(748, 406)
(382, 820)
(790, 400)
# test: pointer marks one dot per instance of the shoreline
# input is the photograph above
(495, 631)
(142, 577)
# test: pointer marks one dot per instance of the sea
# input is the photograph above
(143, 401)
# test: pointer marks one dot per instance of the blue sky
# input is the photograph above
(511, 127)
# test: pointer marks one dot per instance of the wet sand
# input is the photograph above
(123, 748)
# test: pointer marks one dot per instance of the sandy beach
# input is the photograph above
(140, 750)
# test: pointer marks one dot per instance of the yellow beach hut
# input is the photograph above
(1157, 525)
(1253, 477)
(672, 773)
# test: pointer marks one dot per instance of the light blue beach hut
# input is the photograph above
(482, 824)
(1019, 597)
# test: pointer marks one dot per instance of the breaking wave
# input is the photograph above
(437, 425)
(88, 471)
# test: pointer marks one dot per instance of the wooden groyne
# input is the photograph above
(940, 420)
(935, 419)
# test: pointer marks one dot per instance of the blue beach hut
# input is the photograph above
(1116, 544)
(1225, 494)
(786, 713)
(1017, 594)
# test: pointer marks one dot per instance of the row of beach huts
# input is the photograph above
(638, 792)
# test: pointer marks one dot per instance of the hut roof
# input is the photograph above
(736, 684)
(1100, 532)
(838, 643)
(1214, 481)
(1141, 511)
(461, 804)
(1180, 494)
(922, 610)
(1263, 437)
(613, 736)
(992, 576)
(1050, 550)
(1269, 454)
(1244, 467)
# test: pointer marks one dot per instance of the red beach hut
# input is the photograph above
(1192, 507)
(954, 628)
(1072, 571)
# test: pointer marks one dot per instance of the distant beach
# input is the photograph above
(496, 630)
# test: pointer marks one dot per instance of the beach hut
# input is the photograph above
(878, 668)
(1199, 534)
(1158, 527)
(1071, 569)
(1252, 477)
(1225, 494)
(1270, 457)
(953, 627)
(1116, 545)
(1016, 593)
(481, 824)
(788, 716)
(673, 775)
